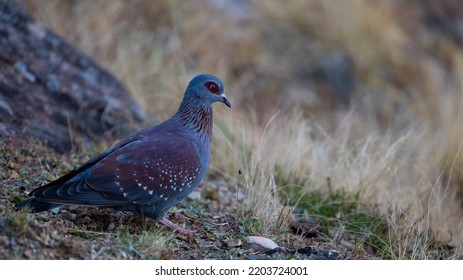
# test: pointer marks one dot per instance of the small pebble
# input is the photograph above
(233, 243)
(55, 235)
(42, 215)
(73, 207)
(111, 226)
(195, 195)
(55, 210)
(71, 216)
(260, 243)
(253, 257)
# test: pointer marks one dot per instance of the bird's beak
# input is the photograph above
(225, 101)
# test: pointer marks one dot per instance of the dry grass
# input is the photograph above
(393, 175)
(397, 147)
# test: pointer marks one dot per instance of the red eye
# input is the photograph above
(212, 87)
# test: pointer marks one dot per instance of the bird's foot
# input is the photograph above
(175, 227)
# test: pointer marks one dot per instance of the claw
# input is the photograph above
(175, 227)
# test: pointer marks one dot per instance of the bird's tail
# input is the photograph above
(36, 205)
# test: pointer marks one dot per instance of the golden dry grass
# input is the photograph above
(398, 146)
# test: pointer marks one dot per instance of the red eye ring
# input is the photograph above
(212, 87)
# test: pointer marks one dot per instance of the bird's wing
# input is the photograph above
(151, 170)
(82, 169)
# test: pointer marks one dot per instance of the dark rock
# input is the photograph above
(315, 253)
(306, 228)
(52, 92)
(274, 251)
(305, 251)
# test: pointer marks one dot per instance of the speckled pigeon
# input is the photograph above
(149, 171)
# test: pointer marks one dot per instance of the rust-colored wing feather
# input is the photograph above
(147, 171)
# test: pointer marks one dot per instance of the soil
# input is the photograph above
(102, 233)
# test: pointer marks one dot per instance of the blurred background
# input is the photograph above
(366, 93)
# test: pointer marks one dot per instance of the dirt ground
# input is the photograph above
(97, 233)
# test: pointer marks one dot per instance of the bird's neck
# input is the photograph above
(196, 118)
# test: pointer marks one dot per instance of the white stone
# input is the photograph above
(259, 243)
(195, 195)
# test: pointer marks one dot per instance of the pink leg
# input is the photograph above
(175, 227)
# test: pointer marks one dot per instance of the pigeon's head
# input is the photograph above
(207, 89)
